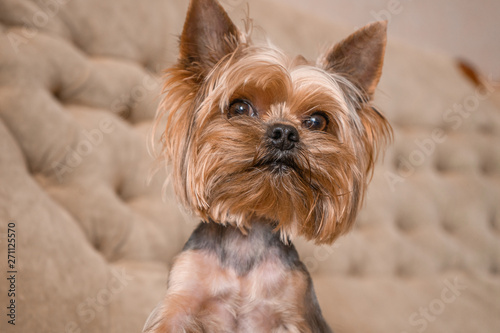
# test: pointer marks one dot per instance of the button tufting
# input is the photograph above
(495, 222)
(402, 270)
(404, 224)
(355, 269)
(488, 168)
(449, 226)
(439, 166)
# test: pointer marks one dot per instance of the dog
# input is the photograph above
(263, 148)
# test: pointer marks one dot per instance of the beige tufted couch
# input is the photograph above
(78, 91)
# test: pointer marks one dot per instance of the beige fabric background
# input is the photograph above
(461, 28)
(78, 91)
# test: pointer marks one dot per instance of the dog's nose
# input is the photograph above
(283, 137)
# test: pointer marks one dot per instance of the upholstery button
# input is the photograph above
(495, 222)
(449, 226)
(402, 270)
(355, 269)
(405, 225)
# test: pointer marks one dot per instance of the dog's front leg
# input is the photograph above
(201, 297)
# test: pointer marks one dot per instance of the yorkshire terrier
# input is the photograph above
(263, 148)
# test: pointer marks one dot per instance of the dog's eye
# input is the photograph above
(241, 107)
(316, 122)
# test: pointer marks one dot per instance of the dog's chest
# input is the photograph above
(241, 282)
(262, 298)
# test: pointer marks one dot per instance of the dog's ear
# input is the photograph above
(359, 57)
(208, 35)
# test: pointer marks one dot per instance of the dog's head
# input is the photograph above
(251, 133)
